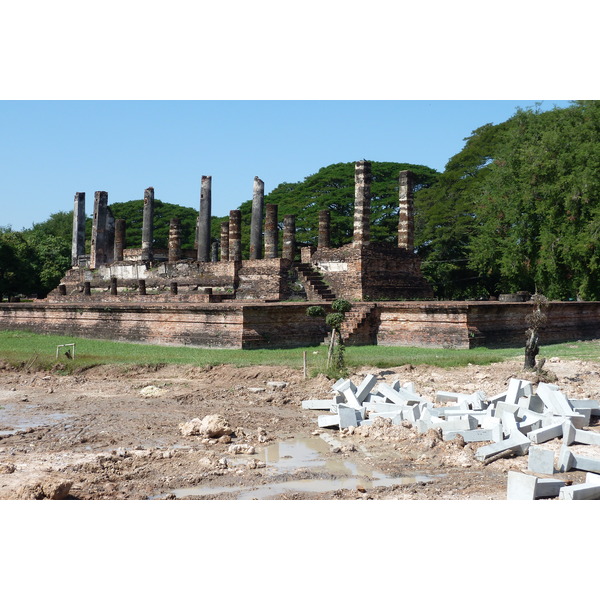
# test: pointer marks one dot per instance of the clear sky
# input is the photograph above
(127, 94)
(51, 149)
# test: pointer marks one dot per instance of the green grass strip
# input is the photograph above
(21, 348)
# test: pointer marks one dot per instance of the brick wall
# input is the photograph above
(276, 325)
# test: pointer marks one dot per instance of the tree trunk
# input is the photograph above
(531, 351)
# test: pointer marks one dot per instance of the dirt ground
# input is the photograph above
(114, 433)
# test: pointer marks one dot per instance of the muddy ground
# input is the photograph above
(113, 432)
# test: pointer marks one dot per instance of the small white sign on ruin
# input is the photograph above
(334, 266)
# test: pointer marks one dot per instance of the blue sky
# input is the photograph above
(126, 94)
(51, 149)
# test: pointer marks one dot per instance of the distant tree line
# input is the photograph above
(518, 208)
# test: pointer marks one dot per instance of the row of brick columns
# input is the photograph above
(108, 234)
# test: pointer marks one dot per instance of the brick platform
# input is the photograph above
(285, 324)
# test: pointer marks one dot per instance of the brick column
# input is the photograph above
(324, 229)
(271, 232)
(78, 244)
(289, 237)
(256, 224)
(98, 246)
(235, 235)
(174, 240)
(225, 240)
(204, 219)
(120, 228)
(406, 226)
(148, 225)
(362, 203)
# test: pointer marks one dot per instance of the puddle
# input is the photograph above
(311, 454)
(15, 421)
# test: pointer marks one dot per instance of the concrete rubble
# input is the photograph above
(515, 422)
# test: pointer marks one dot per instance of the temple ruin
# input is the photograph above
(211, 297)
(359, 271)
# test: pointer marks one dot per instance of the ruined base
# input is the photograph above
(285, 324)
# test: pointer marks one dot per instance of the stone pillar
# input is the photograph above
(406, 226)
(98, 245)
(214, 252)
(225, 240)
(289, 237)
(148, 225)
(119, 238)
(113, 286)
(257, 219)
(362, 203)
(235, 235)
(78, 244)
(142, 287)
(204, 220)
(271, 232)
(324, 229)
(87, 288)
(174, 288)
(110, 236)
(174, 240)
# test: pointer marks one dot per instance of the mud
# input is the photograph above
(114, 432)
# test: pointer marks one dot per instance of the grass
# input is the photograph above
(38, 351)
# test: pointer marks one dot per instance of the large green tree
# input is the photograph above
(518, 208)
(538, 217)
(133, 213)
(332, 188)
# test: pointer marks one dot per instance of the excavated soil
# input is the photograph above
(113, 432)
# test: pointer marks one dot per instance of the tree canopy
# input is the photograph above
(518, 209)
(332, 188)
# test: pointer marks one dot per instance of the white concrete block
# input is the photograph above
(363, 390)
(544, 434)
(593, 405)
(567, 461)
(581, 491)
(472, 435)
(541, 460)
(347, 416)
(520, 486)
(516, 442)
(391, 394)
(571, 435)
(351, 399)
(555, 400)
(328, 421)
(315, 404)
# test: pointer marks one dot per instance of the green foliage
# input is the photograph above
(315, 311)
(133, 213)
(518, 208)
(33, 261)
(334, 320)
(332, 188)
(341, 306)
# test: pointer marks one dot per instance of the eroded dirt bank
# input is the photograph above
(113, 433)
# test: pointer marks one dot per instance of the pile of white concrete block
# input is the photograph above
(515, 422)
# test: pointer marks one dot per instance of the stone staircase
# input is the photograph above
(316, 288)
(356, 329)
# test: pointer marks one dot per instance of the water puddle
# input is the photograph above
(311, 455)
(15, 421)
